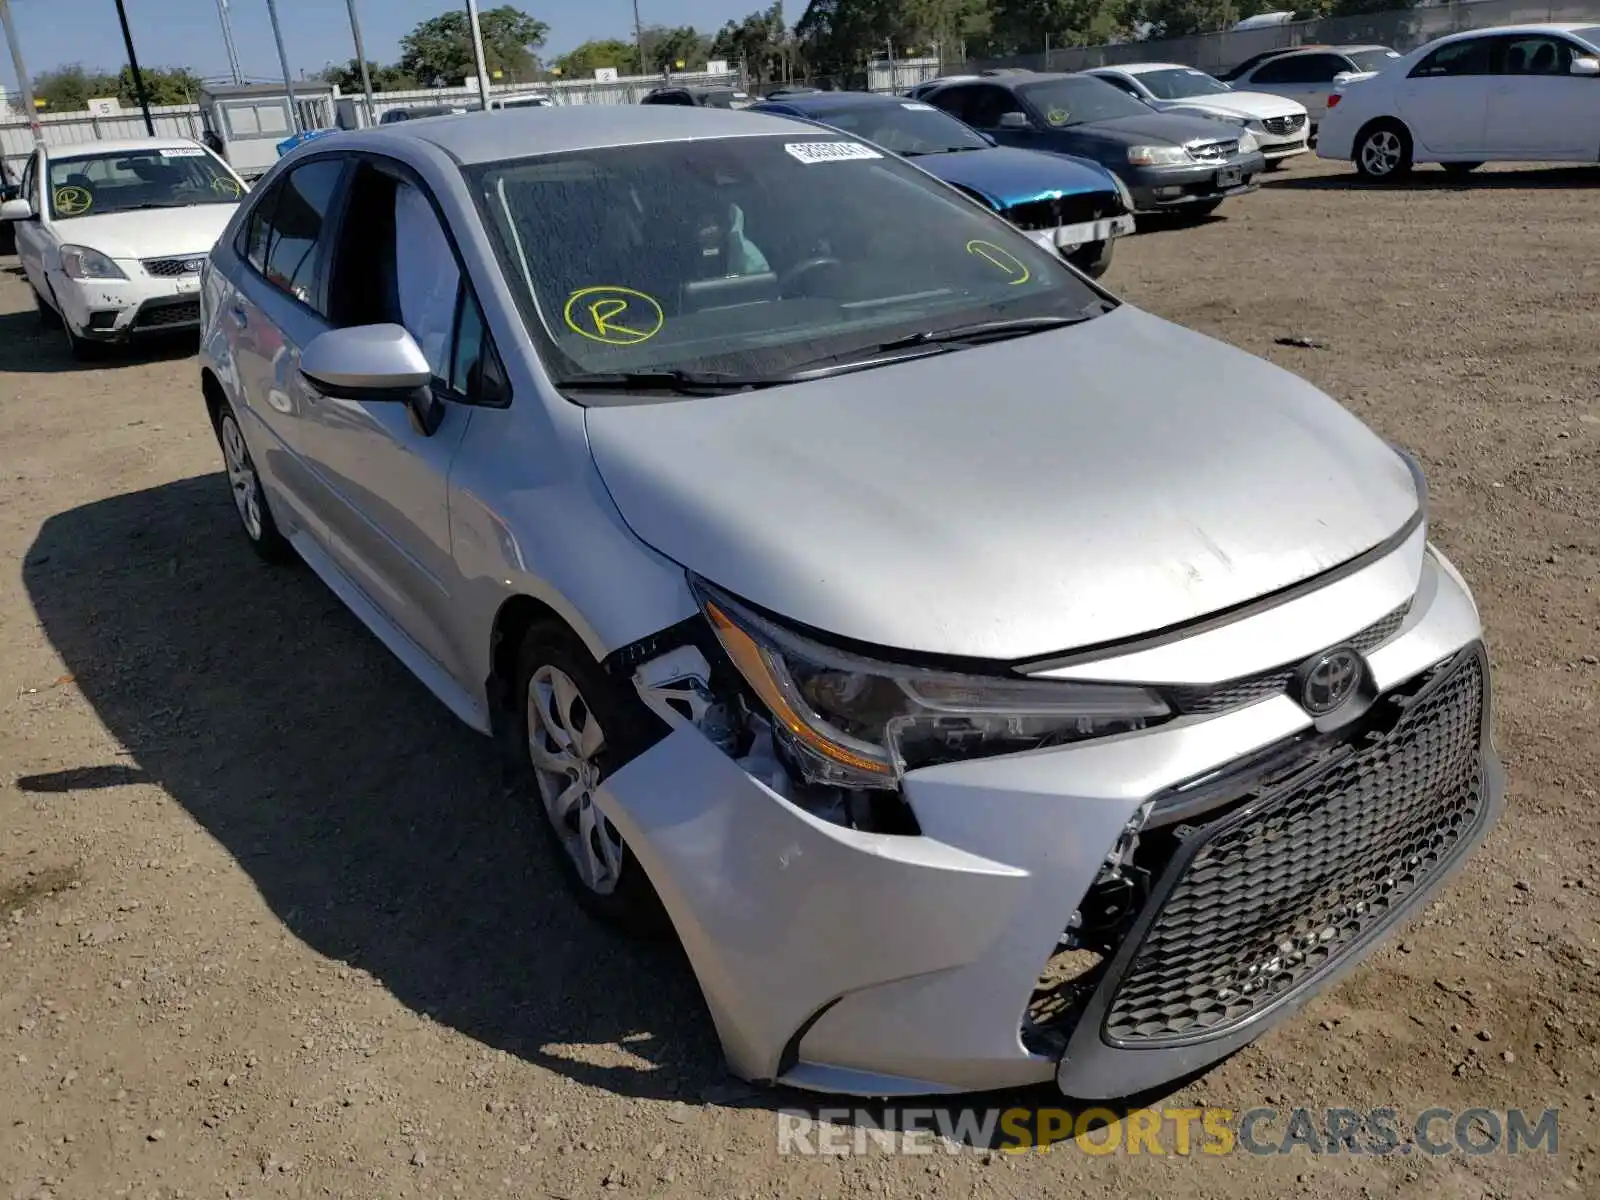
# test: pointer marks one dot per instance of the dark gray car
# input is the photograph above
(1167, 160)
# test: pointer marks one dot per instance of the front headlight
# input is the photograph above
(1158, 156)
(1248, 143)
(80, 262)
(855, 722)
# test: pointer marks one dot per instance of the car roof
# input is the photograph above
(829, 101)
(1540, 27)
(1334, 49)
(1142, 67)
(478, 137)
(118, 146)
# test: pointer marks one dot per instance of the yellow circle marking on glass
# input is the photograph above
(1057, 116)
(1001, 258)
(617, 316)
(73, 201)
(224, 186)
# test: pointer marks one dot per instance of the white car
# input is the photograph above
(1310, 73)
(1280, 125)
(1519, 93)
(112, 235)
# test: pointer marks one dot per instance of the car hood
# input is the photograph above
(1006, 176)
(1014, 500)
(1256, 105)
(150, 232)
(1153, 126)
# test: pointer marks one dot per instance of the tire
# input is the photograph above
(1093, 258)
(81, 348)
(249, 498)
(49, 318)
(1383, 152)
(1460, 170)
(571, 727)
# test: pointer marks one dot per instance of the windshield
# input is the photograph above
(1176, 83)
(909, 128)
(751, 256)
(1372, 60)
(1076, 99)
(168, 177)
(1590, 34)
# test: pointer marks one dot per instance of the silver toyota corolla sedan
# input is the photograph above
(987, 681)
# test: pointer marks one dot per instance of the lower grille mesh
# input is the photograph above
(1281, 890)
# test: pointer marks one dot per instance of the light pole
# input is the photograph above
(23, 85)
(361, 57)
(227, 41)
(133, 66)
(477, 53)
(638, 37)
(283, 61)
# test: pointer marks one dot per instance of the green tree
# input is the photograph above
(761, 42)
(665, 48)
(70, 88)
(439, 50)
(581, 61)
(163, 85)
(384, 78)
(839, 37)
(1022, 26)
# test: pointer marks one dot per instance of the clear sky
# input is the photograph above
(187, 33)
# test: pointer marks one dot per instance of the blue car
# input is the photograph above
(1076, 206)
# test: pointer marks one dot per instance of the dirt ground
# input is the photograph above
(267, 926)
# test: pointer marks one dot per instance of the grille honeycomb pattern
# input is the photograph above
(168, 315)
(1236, 693)
(171, 268)
(1273, 898)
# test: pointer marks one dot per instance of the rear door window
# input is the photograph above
(1474, 56)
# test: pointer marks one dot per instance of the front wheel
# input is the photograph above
(1092, 258)
(249, 499)
(1383, 152)
(572, 727)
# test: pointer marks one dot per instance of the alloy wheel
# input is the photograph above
(242, 479)
(565, 742)
(1381, 153)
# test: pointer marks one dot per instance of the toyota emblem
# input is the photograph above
(1328, 680)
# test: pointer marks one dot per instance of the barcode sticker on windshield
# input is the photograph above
(182, 152)
(815, 152)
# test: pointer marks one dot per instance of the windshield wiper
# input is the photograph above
(979, 332)
(688, 383)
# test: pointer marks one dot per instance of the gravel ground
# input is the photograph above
(268, 928)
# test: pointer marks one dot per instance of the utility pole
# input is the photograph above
(227, 41)
(361, 57)
(133, 65)
(477, 53)
(283, 61)
(638, 37)
(23, 84)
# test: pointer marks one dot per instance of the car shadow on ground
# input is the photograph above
(375, 825)
(1435, 179)
(29, 347)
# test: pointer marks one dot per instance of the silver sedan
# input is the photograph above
(986, 681)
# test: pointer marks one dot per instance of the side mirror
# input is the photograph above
(376, 364)
(1014, 121)
(16, 210)
(1585, 64)
(1341, 77)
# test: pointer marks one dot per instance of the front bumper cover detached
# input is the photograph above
(894, 964)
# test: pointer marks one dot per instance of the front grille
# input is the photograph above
(1213, 151)
(171, 268)
(1236, 693)
(1284, 124)
(167, 314)
(1268, 897)
(1053, 213)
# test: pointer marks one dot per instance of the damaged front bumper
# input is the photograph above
(1113, 914)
